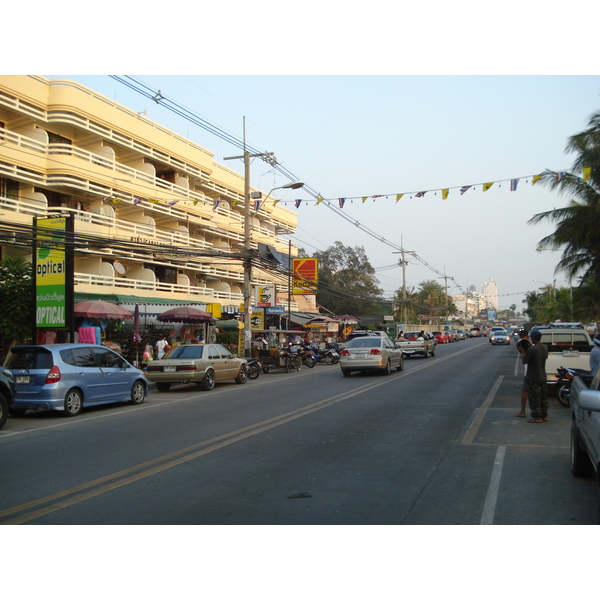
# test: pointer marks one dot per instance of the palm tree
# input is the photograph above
(578, 224)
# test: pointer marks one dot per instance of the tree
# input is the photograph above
(578, 224)
(429, 302)
(347, 282)
(16, 298)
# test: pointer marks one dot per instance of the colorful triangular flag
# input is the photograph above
(513, 184)
(487, 186)
(463, 189)
(445, 193)
(587, 171)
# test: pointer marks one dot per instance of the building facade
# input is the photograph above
(171, 217)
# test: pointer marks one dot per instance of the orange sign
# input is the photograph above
(305, 272)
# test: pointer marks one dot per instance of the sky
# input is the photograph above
(355, 136)
(371, 103)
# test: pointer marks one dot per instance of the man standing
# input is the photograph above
(522, 346)
(535, 361)
(595, 354)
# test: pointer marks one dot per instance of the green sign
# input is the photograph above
(50, 273)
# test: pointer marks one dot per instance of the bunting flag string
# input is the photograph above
(445, 192)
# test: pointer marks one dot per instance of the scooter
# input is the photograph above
(309, 358)
(254, 367)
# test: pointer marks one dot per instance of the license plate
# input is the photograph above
(570, 353)
(170, 369)
(22, 379)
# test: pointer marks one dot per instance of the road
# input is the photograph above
(435, 444)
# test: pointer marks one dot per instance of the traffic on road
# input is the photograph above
(433, 442)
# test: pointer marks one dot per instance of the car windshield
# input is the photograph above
(29, 358)
(365, 342)
(187, 351)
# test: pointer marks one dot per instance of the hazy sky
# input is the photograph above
(356, 136)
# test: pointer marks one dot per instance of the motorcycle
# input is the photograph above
(329, 356)
(309, 358)
(254, 367)
(563, 384)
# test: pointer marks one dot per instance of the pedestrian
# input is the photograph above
(595, 354)
(161, 347)
(522, 346)
(535, 359)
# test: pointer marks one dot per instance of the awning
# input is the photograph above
(80, 296)
(301, 318)
(269, 253)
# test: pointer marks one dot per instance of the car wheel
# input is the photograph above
(208, 381)
(163, 386)
(433, 351)
(73, 403)
(242, 375)
(388, 368)
(346, 372)
(400, 366)
(426, 354)
(138, 393)
(3, 410)
(581, 465)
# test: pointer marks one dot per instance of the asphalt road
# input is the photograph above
(434, 444)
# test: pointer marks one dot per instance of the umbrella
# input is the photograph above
(348, 319)
(185, 314)
(136, 325)
(100, 310)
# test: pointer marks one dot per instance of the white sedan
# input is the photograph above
(371, 353)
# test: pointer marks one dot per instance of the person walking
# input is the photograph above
(522, 346)
(161, 347)
(535, 359)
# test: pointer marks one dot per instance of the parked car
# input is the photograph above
(441, 337)
(585, 427)
(500, 337)
(7, 395)
(203, 364)
(567, 347)
(67, 377)
(367, 353)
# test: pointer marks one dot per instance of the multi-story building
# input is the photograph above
(490, 293)
(140, 187)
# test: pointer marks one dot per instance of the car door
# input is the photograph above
(393, 353)
(86, 374)
(231, 365)
(218, 362)
(116, 380)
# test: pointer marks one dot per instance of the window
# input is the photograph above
(9, 188)
(108, 359)
(213, 353)
(84, 357)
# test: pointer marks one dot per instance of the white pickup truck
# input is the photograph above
(567, 347)
(585, 427)
(415, 342)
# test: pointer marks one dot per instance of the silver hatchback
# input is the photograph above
(66, 377)
(371, 353)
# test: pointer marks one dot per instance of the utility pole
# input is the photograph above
(445, 278)
(403, 263)
(270, 158)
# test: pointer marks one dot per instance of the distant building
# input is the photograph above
(490, 293)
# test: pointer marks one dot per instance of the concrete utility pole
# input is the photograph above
(403, 263)
(270, 158)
